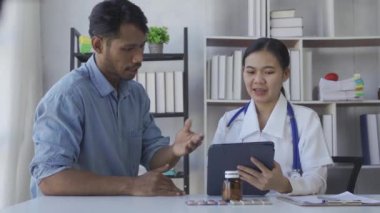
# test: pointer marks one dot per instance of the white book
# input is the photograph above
(178, 91)
(307, 92)
(286, 22)
(141, 78)
(238, 54)
(229, 77)
(222, 77)
(283, 13)
(214, 77)
(295, 75)
(151, 90)
(251, 18)
(169, 91)
(373, 142)
(286, 31)
(330, 18)
(263, 18)
(258, 17)
(327, 125)
(160, 92)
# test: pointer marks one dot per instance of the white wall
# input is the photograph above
(199, 16)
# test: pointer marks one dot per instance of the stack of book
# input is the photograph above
(284, 23)
(348, 89)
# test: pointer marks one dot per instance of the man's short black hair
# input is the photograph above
(107, 17)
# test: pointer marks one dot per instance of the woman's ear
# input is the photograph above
(97, 44)
(286, 74)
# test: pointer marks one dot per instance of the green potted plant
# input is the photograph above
(156, 38)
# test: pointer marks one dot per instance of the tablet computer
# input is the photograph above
(222, 157)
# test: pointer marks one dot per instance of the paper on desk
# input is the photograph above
(349, 197)
(345, 197)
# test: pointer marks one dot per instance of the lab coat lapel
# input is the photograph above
(276, 122)
(250, 122)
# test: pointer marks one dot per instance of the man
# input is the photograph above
(93, 128)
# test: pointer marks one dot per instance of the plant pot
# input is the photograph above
(156, 48)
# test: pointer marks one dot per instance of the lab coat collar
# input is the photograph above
(275, 123)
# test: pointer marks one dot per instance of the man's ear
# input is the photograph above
(286, 74)
(97, 44)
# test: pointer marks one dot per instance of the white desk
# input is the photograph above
(163, 204)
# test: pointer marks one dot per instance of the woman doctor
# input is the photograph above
(299, 169)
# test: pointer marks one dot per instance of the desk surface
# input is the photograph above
(164, 204)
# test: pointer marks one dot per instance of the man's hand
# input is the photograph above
(154, 183)
(186, 141)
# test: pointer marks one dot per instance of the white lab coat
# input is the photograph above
(313, 151)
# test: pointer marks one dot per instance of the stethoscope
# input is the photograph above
(296, 168)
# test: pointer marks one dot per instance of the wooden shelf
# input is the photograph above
(83, 57)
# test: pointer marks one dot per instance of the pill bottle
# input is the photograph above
(231, 189)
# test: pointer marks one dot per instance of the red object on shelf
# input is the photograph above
(332, 76)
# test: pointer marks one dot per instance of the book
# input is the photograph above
(214, 77)
(151, 90)
(238, 74)
(229, 77)
(169, 91)
(251, 18)
(286, 22)
(160, 92)
(327, 125)
(369, 139)
(222, 77)
(263, 18)
(295, 75)
(288, 13)
(348, 89)
(307, 92)
(141, 78)
(178, 91)
(286, 31)
(346, 84)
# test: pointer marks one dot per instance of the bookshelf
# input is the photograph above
(77, 58)
(335, 46)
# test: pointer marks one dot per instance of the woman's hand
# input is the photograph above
(266, 179)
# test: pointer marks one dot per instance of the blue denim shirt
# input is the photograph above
(83, 123)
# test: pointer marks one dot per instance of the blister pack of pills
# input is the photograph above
(210, 202)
